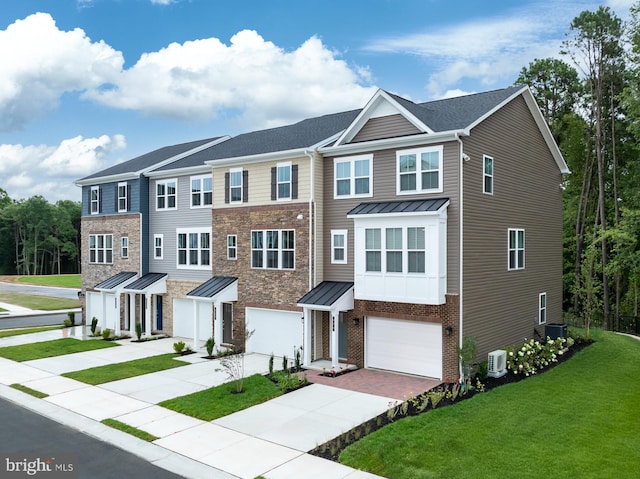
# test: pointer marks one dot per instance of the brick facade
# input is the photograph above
(124, 225)
(446, 314)
(264, 288)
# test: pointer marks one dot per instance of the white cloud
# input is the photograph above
(201, 78)
(50, 170)
(48, 63)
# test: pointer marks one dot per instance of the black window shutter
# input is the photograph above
(226, 187)
(273, 183)
(245, 186)
(294, 182)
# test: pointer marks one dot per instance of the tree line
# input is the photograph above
(37, 237)
(590, 98)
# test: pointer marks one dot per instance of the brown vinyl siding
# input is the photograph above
(384, 189)
(500, 307)
(390, 126)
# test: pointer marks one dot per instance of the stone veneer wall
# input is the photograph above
(261, 288)
(445, 314)
(119, 226)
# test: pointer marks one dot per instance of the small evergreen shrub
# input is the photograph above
(94, 325)
(209, 346)
(106, 334)
(179, 346)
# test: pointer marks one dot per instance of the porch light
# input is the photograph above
(356, 321)
(448, 330)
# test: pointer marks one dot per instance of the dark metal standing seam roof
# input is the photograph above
(412, 206)
(149, 159)
(115, 280)
(147, 280)
(212, 286)
(326, 293)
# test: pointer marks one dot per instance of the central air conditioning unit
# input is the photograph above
(497, 363)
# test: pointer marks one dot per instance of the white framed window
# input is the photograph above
(201, 191)
(124, 247)
(235, 185)
(516, 248)
(232, 247)
(101, 249)
(416, 254)
(393, 245)
(158, 246)
(419, 170)
(123, 197)
(167, 194)
(339, 246)
(283, 181)
(273, 249)
(352, 176)
(373, 249)
(95, 200)
(487, 175)
(542, 308)
(194, 248)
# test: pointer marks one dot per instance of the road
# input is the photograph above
(10, 322)
(24, 432)
(67, 293)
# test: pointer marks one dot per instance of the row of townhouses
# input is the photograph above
(378, 237)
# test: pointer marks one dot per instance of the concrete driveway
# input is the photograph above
(270, 439)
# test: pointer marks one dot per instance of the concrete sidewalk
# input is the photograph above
(271, 439)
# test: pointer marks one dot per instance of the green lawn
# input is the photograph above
(219, 401)
(62, 280)
(579, 419)
(134, 431)
(33, 301)
(57, 347)
(28, 390)
(18, 332)
(137, 367)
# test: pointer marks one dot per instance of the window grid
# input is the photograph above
(201, 191)
(166, 195)
(542, 308)
(419, 170)
(101, 249)
(194, 249)
(487, 177)
(95, 200)
(124, 250)
(339, 246)
(122, 197)
(273, 249)
(352, 177)
(373, 249)
(158, 248)
(235, 186)
(516, 248)
(232, 247)
(283, 182)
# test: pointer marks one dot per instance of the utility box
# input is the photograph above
(556, 330)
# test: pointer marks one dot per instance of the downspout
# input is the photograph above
(460, 246)
(312, 223)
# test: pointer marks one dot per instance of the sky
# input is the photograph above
(86, 84)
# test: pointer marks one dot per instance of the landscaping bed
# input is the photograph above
(444, 395)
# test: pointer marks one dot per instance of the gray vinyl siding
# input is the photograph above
(390, 126)
(109, 193)
(166, 222)
(384, 189)
(500, 307)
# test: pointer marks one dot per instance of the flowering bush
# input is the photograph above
(534, 355)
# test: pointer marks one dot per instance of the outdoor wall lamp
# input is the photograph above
(356, 321)
(448, 330)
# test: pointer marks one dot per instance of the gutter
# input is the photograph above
(313, 253)
(460, 247)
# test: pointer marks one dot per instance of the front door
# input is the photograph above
(159, 313)
(342, 337)
(227, 322)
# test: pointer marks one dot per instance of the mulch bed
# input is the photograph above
(331, 450)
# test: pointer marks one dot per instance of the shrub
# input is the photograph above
(179, 346)
(298, 361)
(71, 318)
(466, 353)
(483, 370)
(285, 363)
(94, 325)
(209, 346)
(271, 365)
(67, 323)
(138, 331)
(534, 355)
(106, 334)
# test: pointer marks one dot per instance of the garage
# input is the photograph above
(275, 331)
(104, 307)
(184, 315)
(410, 347)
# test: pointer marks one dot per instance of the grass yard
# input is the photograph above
(61, 280)
(579, 419)
(33, 301)
(56, 347)
(218, 401)
(129, 369)
(134, 431)
(18, 332)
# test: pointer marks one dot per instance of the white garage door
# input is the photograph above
(275, 331)
(183, 317)
(405, 346)
(107, 313)
(94, 308)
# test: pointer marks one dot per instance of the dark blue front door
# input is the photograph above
(159, 313)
